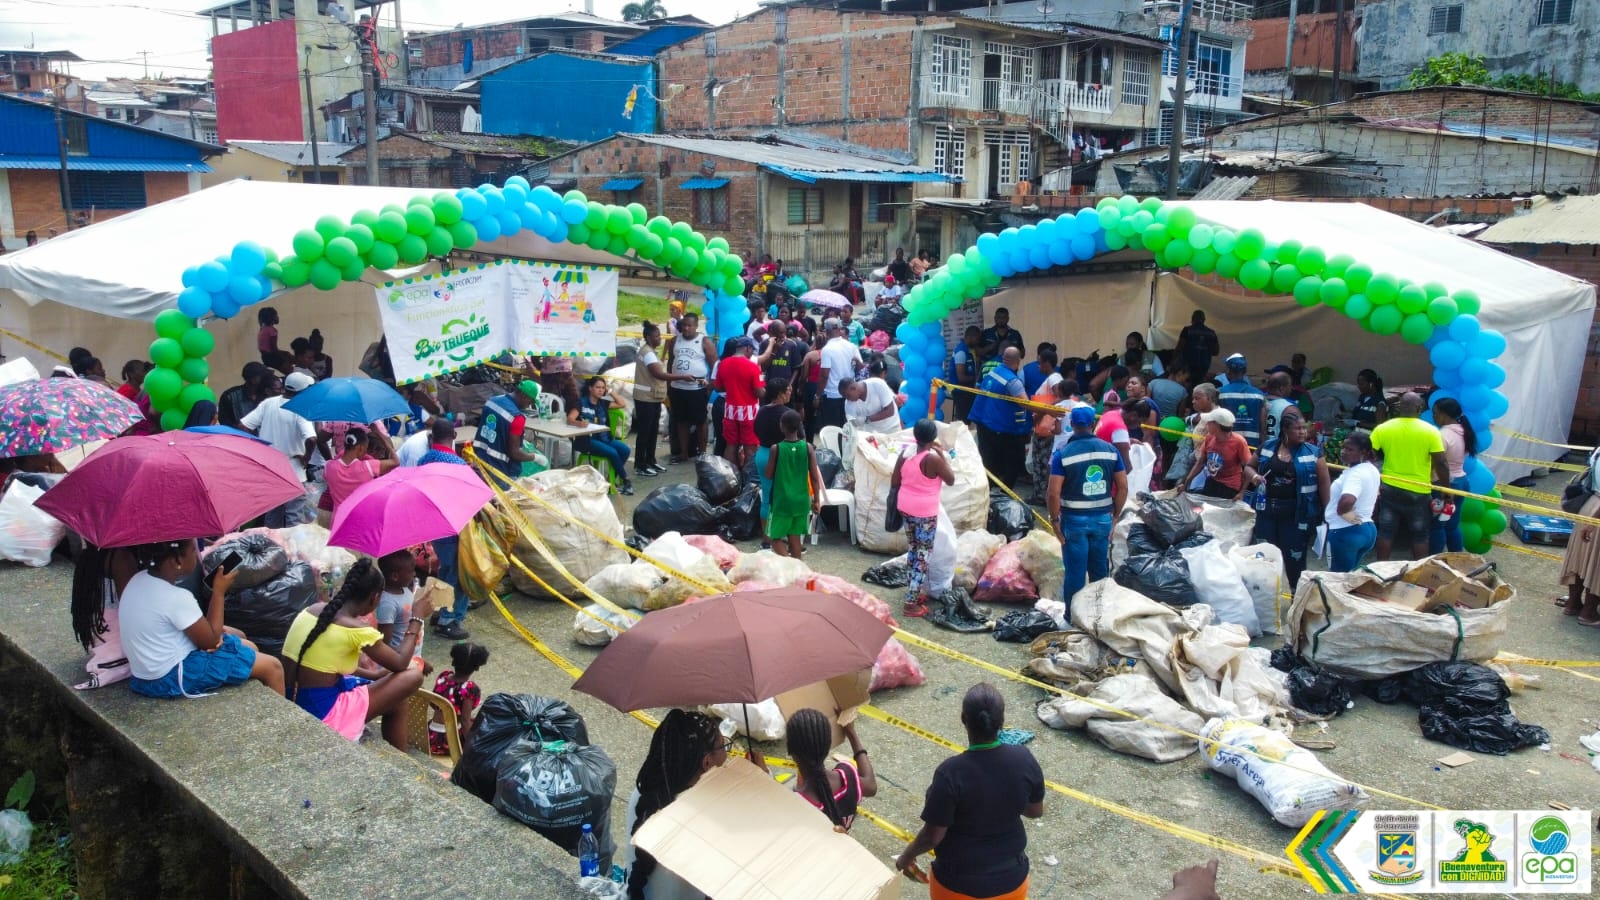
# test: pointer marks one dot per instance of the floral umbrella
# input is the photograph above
(48, 415)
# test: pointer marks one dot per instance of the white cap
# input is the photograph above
(298, 382)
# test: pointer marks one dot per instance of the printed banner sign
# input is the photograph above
(443, 323)
(1446, 852)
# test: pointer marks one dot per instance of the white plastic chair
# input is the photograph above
(832, 437)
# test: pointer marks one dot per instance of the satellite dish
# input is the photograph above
(1045, 7)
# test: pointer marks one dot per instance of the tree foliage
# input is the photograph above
(1468, 69)
(644, 11)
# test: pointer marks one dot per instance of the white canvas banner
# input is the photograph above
(563, 310)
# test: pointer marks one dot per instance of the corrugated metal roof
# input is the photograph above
(622, 184)
(116, 98)
(704, 184)
(1571, 220)
(793, 161)
(1227, 188)
(79, 164)
(293, 153)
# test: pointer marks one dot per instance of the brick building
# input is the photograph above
(37, 74)
(445, 59)
(807, 205)
(447, 161)
(113, 168)
(1321, 59)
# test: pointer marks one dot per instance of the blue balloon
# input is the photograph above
(473, 206)
(1000, 264)
(519, 181)
(557, 232)
(1060, 253)
(1475, 397)
(191, 277)
(488, 228)
(1039, 257)
(1447, 355)
(533, 218)
(544, 197)
(1485, 439)
(223, 307)
(1082, 246)
(1045, 232)
(1427, 416)
(1488, 344)
(244, 289)
(266, 287)
(988, 244)
(1474, 370)
(1087, 222)
(194, 302)
(510, 223)
(213, 276)
(1479, 479)
(1438, 337)
(1008, 240)
(1494, 377)
(1498, 405)
(1480, 423)
(1464, 328)
(574, 212)
(248, 258)
(516, 196)
(1447, 378)
(1442, 393)
(1028, 237)
(493, 200)
(1019, 260)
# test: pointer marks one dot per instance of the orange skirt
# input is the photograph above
(937, 891)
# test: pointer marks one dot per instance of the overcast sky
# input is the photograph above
(114, 34)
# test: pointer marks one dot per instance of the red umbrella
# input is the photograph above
(169, 487)
(734, 648)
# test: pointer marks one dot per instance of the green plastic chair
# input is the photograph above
(1320, 377)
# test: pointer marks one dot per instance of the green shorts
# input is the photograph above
(779, 527)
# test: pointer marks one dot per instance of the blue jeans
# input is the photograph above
(448, 550)
(296, 512)
(608, 448)
(762, 453)
(1447, 535)
(1278, 525)
(1349, 544)
(1087, 549)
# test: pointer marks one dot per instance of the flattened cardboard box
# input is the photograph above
(739, 835)
(836, 698)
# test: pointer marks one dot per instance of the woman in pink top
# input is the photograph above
(353, 467)
(919, 478)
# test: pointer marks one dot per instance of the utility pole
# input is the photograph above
(311, 120)
(1179, 90)
(368, 36)
(1288, 46)
(61, 150)
(1338, 48)
(146, 55)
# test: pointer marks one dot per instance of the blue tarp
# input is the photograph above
(622, 184)
(704, 184)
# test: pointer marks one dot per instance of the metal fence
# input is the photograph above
(814, 253)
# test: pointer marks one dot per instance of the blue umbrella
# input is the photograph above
(350, 399)
(223, 429)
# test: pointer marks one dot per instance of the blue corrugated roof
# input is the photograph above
(84, 164)
(812, 177)
(622, 184)
(704, 184)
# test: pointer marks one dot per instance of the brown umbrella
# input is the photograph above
(734, 648)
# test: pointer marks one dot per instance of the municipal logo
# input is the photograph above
(1549, 864)
(1474, 863)
(1396, 858)
(1094, 481)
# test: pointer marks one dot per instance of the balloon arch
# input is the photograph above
(335, 251)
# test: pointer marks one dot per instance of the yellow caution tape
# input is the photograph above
(1540, 463)
(1013, 495)
(27, 343)
(1506, 432)
(1540, 554)
(1531, 494)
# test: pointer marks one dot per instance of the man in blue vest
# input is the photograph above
(499, 439)
(1238, 396)
(1088, 485)
(1003, 426)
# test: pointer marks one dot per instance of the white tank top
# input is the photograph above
(689, 358)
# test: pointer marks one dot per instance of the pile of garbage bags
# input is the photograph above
(280, 573)
(1463, 704)
(720, 502)
(569, 496)
(965, 503)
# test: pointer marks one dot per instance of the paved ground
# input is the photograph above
(1102, 854)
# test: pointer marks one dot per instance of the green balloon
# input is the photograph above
(1356, 275)
(1228, 265)
(689, 259)
(578, 233)
(574, 195)
(412, 249)
(196, 343)
(1204, 261)
(1248, 244)
(1442, 310)
(295, 273)
(1136, 240)
(1105, 202)
(1472, 508)
(617, 245)
(653, 246)
(364, 217)
(1467, 303)
(383, 256)
(1128, 204)
(395, 208)
(439, 241)
(1358, 306)
(660, 225)
(719, 243)
(1155, 237)
(308, 245)
(341, 251)
(446, 209)
(1333, 292)
(1163, 213)
(1416, 328)
(636, 235)
(595, 218)
(1472, 533)
(733, 264)
(599, 238)
(735, 287)
(684, 232)
(1115, 239)
(1173, 428)
(1143, 219)
(1411, 299)
(273, 271)
(1223, 241)
(1178, 253)
(697, 241)
(618, 220)
(1150, 204)
(173, 419)
(354, 271)
(420, 221)
(1383, 288)
(1336, 265)
(362, 237)
(713, 281)
(171, 323)
(1493, 522)
(1255, 274)
(330, 227)
(1311, 261)
(192, 394)
(325, 276)
(391, 227)
(1201, 235)
(1308, 291)
(194, 370)
(162, 384)
(637, 214)
(166, 352)
(1284, 278)
(463, 234)
(418, 200)
(1289, 251)
(1181, 221)
(1386, 319)
(1435, 289)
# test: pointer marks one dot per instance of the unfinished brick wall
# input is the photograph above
(36, 198)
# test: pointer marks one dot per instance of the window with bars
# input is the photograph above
(107, 190)
(880, 198)
(623, 198)
(114, 113)
(208, 134)
(951, 66)
(711, 206)
(805, 206)
(1555, 12)
(1012, 155)
(1136, 80)
(1444, 20)
(1212, 68)
(76, 130)
(1195, 123)
(1016, 63)
(447, 120)
(950, 152)
(1169, 59)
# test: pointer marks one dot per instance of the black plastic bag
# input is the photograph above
(954, 610)
(556, 788)
(716, 478)
(1022, 626)
(265, 612)
(829, 464)
(741, 519)
(676, 507)
(893, 573)
(260, 559)
(1284, 659)
(1469, 727)
(1008, 517)
(504, 719)
(1468, 682)
(1163, 577)
(1140, 542)
(1386, 690)
(1169, 520)
(1318, 692)
(748, 474)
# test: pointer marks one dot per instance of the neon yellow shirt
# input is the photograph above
(337, 650)
(1408, 446)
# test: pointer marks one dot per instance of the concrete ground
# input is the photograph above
(1100, 853)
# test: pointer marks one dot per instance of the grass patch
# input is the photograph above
(46, 871)
(635, 308)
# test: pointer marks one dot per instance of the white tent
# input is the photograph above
(77, 289)
(1545, 315)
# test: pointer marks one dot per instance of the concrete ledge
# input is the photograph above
(300, 811)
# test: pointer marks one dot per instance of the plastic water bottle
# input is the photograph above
(588, 853)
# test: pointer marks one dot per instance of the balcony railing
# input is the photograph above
(1077, 97)
(1013, 97)
(1215, 10)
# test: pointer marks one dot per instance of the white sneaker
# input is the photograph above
(1591, 742)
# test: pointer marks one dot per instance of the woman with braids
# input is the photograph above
(324, 647)
(836, 792)
(175, 650)
(973, 810)
(97, 582)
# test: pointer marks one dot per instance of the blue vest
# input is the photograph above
(1305, 478)
(493, 441)
(1245, 401)
(1000, 415)
(1087, 464)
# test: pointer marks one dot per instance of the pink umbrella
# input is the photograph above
(822, 297)
(407, 507)
(170, 487)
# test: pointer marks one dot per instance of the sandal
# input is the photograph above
(1587, 624)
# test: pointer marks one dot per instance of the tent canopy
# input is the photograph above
(131, 267)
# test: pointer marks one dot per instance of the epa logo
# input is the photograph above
(1549, 865)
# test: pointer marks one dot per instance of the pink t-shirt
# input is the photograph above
(919, 494)
(343, 478)
(1112, 429)
(1455, 449)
